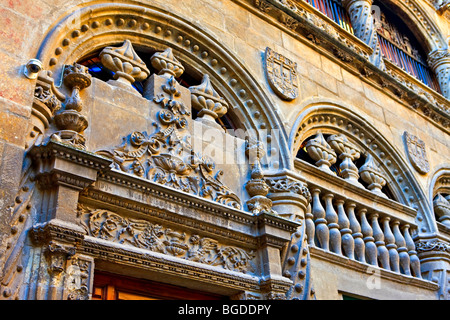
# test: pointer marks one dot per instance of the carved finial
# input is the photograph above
(347, 153)
(321, 152)
(442, 209)
(372, 175)
(70, 122)
(166, 64)
(257, 187)
(125, 63)
(207, 101)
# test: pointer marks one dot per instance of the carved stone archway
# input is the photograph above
(96, 25)
(332, 117)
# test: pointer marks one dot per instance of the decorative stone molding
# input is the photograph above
(441, 6)
(144, 234)
(417, 154)
(281, 73)
(393, 81)
(79, 274)
(125, 63)
(297, 267)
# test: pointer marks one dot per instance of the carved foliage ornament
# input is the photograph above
(143, 234)
(166, 156)
(281, 74)
(415, 148)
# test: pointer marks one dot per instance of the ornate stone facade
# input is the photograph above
(265, 153)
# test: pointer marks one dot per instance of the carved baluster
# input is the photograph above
(318, 212)
(401, 248)
(390, 245)
(357, 235)
(414, 259)
(348, 243)
(309, 224)
(371, 248)
(332, 219)
(382, 251)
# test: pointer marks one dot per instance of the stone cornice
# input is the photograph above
(314, 29)
(122, 191)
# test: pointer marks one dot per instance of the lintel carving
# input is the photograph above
(143, 234)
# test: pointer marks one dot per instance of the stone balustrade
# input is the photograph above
(360, 233)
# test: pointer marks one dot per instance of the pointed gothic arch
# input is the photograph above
(332, 117)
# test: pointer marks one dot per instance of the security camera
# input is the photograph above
(32, 68)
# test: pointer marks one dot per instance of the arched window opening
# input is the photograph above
(400, 47)
(187, 79)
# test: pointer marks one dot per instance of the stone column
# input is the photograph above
(290, 199)
(360, 12)
(434, 255)
(439, 62)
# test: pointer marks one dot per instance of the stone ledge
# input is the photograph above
(363, 267)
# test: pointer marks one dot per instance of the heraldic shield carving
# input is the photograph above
(282, 75)
(415, 148)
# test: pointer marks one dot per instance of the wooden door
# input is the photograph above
(108, 286)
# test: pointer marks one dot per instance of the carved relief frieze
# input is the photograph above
(415, 148)
(144, 234)
(282, 74)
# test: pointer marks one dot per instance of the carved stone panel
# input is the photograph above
(415, 148)
(281, 74)
(107, 225)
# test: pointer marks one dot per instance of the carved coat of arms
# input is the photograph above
(281, 74)
(415, 148)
